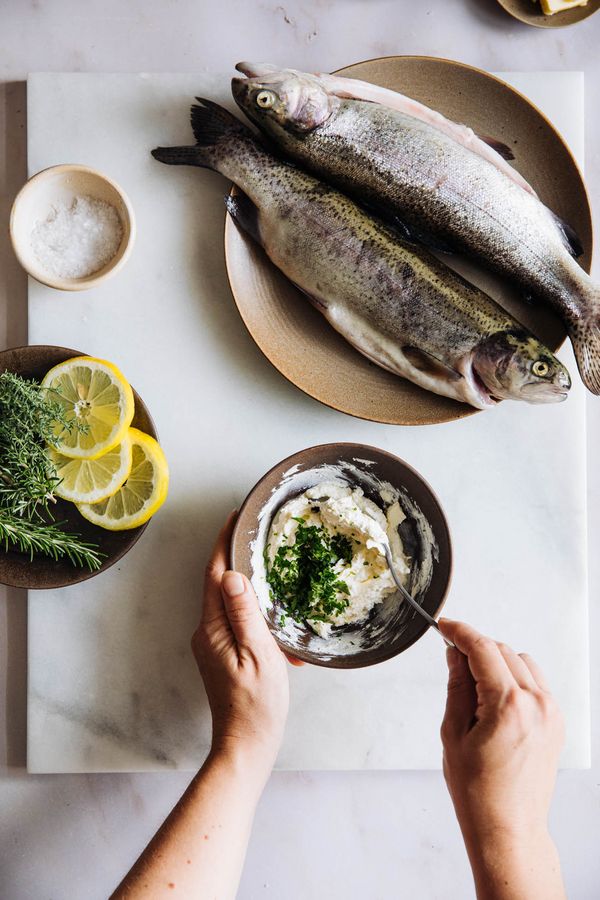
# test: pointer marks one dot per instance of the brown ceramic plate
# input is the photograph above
(298, 341)
(531, 13)
(392, 626)
(42, 572)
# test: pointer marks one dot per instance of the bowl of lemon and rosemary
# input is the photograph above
(81, 470)
(310, 536)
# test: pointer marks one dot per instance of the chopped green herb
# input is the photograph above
(342, 546)
(302, 577)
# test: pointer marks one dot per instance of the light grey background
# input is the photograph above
(373, 835)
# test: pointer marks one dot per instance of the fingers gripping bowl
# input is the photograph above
(391, 626)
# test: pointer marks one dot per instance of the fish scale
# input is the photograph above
(396, 303)
(431, 177)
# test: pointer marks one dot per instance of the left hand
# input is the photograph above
(243, 669)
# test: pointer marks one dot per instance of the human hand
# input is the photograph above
(243, 670)
(502, 734)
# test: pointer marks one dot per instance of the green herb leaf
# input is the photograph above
(302, 576)
(31, 417)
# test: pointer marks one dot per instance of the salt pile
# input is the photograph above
(78, 238)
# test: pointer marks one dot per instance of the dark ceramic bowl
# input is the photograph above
(42, 572)
(392, 626)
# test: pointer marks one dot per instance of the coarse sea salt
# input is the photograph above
(77, 238)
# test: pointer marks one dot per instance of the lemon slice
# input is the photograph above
(143, 493)
(95, 393)
(92, 480)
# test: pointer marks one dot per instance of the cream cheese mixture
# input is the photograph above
(341, 510)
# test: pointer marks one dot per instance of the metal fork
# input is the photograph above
(411, 600)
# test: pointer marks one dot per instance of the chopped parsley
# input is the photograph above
(302, 577)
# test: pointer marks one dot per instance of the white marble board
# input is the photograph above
(112, 685)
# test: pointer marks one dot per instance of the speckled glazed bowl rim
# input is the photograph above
(125, 539)
(346, 450)
(111, 267)
(543, 21)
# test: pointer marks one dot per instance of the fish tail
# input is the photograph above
(180, 156)
(211, 124)
(585, 336)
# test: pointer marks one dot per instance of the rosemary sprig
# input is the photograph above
(49, 539)
(31, 417)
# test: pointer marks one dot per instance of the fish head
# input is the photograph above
(513, 364)
(282, 100)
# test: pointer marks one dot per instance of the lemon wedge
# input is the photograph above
(92, 480)
(143, 493)
(95, 393)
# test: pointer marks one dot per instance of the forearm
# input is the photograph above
(508, 867)
(199, 850)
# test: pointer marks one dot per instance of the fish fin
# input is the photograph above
(417, 236)
(585, 338)
(245, 215)
(430, 364)
(499, 146)
(316, 301)
(570, 237)
(211, 122)
(178, 156)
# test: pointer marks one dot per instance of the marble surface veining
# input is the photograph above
(112, 685)
(367, 835)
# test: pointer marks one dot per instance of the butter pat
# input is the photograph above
(549, 7)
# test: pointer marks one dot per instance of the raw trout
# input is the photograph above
(437, 181)
(396, 303)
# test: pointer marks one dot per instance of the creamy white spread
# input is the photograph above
(344, 510)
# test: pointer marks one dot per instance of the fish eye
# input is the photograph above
(540, 368)
(265, 99)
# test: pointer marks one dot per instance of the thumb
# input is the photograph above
(461, 702)
(243, 612)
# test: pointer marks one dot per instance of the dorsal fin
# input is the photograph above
(501, 148)
(570, 237)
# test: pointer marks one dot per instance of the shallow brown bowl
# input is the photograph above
(392, 626)
(43, 572)
(298, 340)
(531, 14)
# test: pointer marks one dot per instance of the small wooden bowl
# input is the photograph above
(61, 184)
(393, 626)
(43, 572)
(531, 13)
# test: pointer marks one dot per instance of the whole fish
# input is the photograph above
(396, 303)
(434, 179)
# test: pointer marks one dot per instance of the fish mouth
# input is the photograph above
(549, 393)
(479, 393)
(256, 70)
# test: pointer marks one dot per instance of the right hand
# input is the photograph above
(502, 734)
